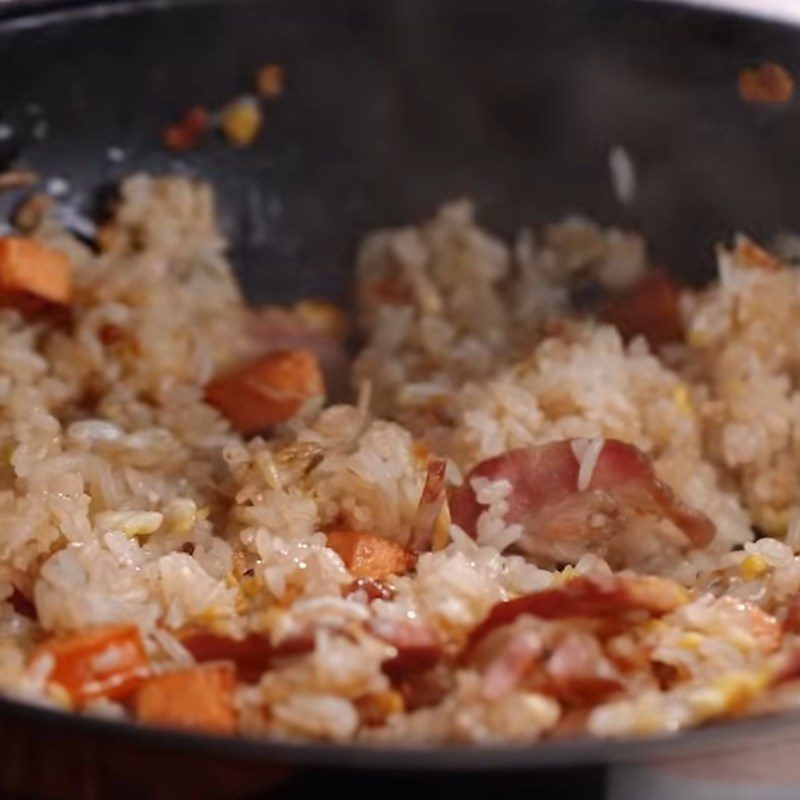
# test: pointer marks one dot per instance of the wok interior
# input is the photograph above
(394, 108)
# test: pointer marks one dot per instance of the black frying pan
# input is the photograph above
(391, 107)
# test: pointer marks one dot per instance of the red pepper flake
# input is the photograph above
(766, 83)
(186, 133)
(175, 138)
(111, 334)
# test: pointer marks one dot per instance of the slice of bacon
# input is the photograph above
(546, 656)
(650, 308)
(791, 622)
(434, 496)
(787, 669)
(561, 521)
(578, 671)
(425, 689)
(418, 647)
(22, 604)
(506, 670)
(612, 598)
(251, 655)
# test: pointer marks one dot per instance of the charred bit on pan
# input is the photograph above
(766, 83)
(239, 120)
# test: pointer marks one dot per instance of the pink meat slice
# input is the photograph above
(418, 647)
(579, 672)
(561, 521)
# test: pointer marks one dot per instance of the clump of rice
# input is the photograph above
(743, 353)
(447, 302)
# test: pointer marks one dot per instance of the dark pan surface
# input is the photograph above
(392, 108)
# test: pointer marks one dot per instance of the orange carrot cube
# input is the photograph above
(368, 555)
(30, 268)
(267, 391)
(196, 699)
(102, 662)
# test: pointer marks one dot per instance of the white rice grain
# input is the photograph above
(623, 174)
(587, 453)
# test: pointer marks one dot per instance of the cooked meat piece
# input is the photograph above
(575, 497)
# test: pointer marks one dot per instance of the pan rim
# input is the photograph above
(725, 736)
(35, 14)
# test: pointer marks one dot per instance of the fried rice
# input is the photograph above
(530, 523)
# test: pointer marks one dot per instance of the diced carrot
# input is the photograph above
(29, 269)
(267, 391)
(749, 253)
(766, 83)
(102, 662)
(651, 308)
(269, 80)
(368, 555)
(197, 699)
